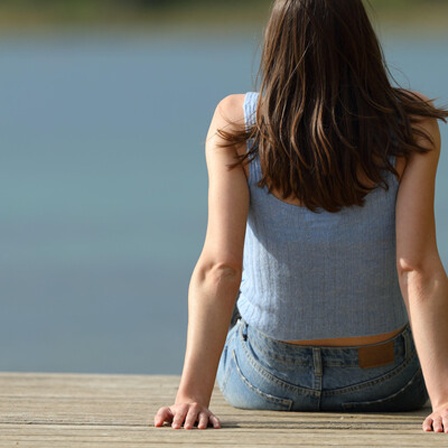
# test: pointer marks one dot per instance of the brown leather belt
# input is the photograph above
(376, 355)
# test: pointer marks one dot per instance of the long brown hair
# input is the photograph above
(327, 114)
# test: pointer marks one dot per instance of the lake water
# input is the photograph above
(103, 187)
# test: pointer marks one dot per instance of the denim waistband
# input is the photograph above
(282, 352)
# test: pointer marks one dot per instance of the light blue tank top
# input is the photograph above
(319, 275)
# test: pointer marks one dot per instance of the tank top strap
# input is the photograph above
(250, 115)
(250, 108)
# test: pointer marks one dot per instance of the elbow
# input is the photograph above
(411, 274)
(225, 273)
(221, 275)
(420, 278)
(407, 267)
(419, 267)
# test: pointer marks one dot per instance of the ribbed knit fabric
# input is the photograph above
(319, 275)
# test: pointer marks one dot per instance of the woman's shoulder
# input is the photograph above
(229, 117)
(428, 125)
(427, 135)
(231, 107)
(426, 122)
(425, 130)
(424, 118)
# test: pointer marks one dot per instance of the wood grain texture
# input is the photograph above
(90, 411)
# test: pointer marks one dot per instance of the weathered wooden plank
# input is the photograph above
(68, 436)
(105, 410)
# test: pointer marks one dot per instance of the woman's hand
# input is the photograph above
(186, 415)
(438, 420)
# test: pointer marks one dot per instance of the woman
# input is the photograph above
(322, 187)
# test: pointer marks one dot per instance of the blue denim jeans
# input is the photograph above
(257, 372)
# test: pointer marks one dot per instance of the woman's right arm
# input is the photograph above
(423, 280)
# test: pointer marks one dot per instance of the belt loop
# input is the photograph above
(407, 336)
(318, 370)
(317, 361)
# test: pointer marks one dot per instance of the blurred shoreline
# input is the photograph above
(104, 116)
(416, 16)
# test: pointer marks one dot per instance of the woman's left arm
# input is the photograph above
(216, 278)
(423, 280)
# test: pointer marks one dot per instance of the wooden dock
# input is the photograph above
(99, 411)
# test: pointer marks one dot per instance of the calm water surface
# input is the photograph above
(103, 187)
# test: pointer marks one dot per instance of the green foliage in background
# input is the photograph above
(167, 4)
(26, 12)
